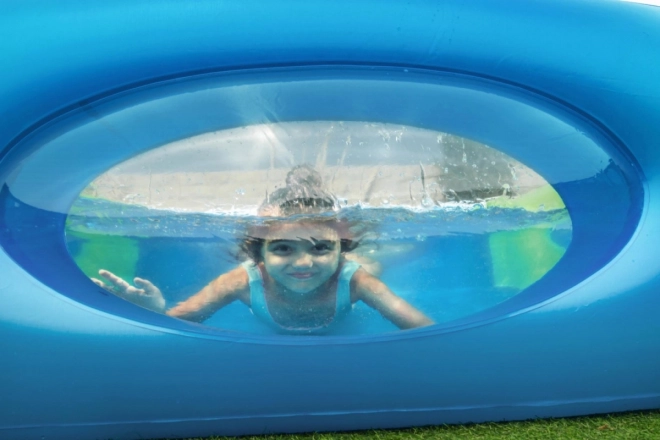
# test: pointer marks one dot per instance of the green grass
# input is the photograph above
(626, 426)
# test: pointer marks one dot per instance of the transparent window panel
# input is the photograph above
(450, 226)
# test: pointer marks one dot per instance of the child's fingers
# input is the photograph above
(99, 283)
(141, 282)
(107, 287)
(146, 285)
(114, 279)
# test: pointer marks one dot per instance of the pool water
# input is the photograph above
(449, 261)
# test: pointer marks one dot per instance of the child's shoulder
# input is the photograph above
(364, 284)
(361, 276)
(235, 282)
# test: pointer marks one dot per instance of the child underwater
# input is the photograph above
(297, 276)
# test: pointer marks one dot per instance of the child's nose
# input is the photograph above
(303, 259)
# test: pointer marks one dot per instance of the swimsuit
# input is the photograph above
(260, 307)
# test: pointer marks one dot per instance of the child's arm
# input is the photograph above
(377, 295)
(218, 293)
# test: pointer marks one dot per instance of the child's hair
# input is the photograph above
(303, 195)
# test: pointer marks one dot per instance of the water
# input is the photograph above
(449, 261)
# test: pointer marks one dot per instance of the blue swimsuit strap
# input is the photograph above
(258, 298)
(344, 287)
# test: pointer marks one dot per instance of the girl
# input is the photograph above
(298, 277)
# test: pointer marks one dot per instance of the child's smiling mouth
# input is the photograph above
(302, 275)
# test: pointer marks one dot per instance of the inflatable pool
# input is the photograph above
(498, 160)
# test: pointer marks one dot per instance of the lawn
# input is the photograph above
(632, 426)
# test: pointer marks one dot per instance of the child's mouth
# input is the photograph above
(302, 275)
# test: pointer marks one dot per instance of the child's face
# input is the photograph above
(301, 256)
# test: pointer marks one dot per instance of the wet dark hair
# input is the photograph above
(303, 195)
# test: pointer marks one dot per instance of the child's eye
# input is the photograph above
(322, 248)
(281, 249)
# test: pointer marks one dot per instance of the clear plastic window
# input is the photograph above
(449, 226)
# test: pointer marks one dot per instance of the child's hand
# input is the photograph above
(144, 295)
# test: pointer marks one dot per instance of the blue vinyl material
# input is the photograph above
(566, 87)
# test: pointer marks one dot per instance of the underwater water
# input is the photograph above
(449, 261)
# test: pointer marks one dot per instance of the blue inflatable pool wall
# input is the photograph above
(569, 88)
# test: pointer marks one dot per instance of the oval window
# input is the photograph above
(448, 225)
(181, 182)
